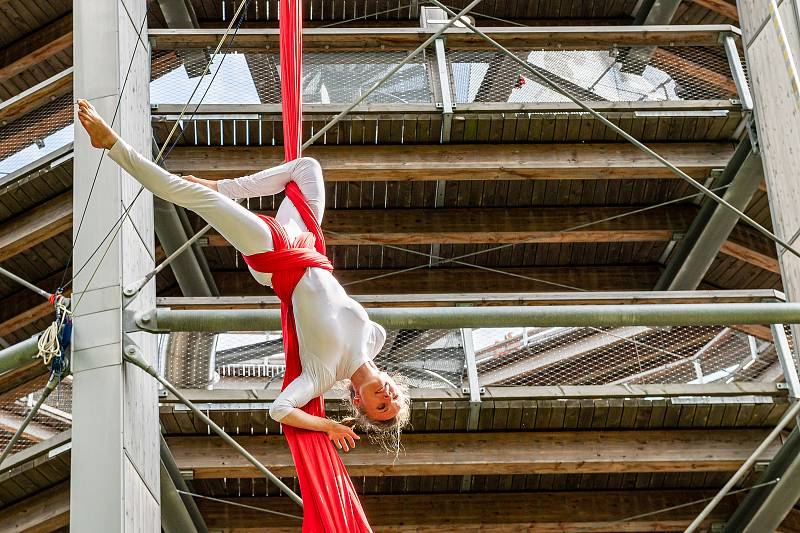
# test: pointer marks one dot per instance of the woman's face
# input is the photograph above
(378, 397)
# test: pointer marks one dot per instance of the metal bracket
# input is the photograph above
(133, 320)
(752, 132)
(129, 346)
(465, 390)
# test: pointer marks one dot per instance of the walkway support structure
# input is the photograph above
(713, 224)
(164, 320)
(115, 433)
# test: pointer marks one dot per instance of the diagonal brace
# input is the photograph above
(132, 355)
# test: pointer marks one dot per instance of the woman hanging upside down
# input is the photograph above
(336, 337)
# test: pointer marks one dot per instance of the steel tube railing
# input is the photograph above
(218, 321)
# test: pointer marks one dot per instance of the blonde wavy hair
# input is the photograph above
(384, 433)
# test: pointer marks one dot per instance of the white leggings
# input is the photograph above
(242, 228)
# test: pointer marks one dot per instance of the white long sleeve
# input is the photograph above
(304, 171)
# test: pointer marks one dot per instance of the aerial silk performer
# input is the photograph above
(327, 335)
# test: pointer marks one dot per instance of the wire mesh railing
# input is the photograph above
(52, 418)
(556, 356)
(604, 74)
(632, 74)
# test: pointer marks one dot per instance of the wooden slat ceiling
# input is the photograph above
(588, 12)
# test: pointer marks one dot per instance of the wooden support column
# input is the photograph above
(777, 112)
(115, 447)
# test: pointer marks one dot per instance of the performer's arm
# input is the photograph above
(286, 410)
(305, 171)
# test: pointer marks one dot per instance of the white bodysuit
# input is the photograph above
(334, 332)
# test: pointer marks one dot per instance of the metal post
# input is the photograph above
(132, 356)
(787, 360)
(472, 367)
(779, 501)
(442, 88)
(756, 496)
(223, 320)
(625, 135)
(19, 354)
(737, 71)
(474, 391)
(26, 284)
(171, 469)
(50, 387)
(115, 461)
(745, 468)
(175, 518)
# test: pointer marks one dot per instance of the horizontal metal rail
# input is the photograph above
(19, 354)
(562, 38)
(495, 298)
(165, 320)
(249, 111)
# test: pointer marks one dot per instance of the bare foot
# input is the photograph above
(101, 135)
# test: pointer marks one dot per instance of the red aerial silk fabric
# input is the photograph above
(291, 29)
(330, 502)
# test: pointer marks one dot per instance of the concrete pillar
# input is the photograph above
(115, 435)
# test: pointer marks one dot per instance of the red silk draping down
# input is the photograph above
(330, 502)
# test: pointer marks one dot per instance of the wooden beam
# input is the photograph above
(468, 280)
(35, 226)
(44, 512)
(498, 225)
(36, 47)
(722, 7)
(363, 39)
(556, 452)
(540, 512)
(746, 244)
(463, 162)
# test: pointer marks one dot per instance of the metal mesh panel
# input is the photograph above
(53, 417)
(36, 134)
(635, 74)
(427, 358)
(254, 78)
(632, 355)
(522, 357)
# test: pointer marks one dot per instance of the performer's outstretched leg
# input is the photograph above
(243, 229)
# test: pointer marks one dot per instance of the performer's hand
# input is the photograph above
(342, 436)
(211, 184)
